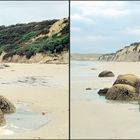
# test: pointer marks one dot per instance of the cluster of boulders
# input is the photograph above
(126, 87)
(6, 107)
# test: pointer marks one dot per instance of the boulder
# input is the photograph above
(122, 92)
(106, 74)
(102, 92)
(2, 119)
(129, 79)
(6, 106)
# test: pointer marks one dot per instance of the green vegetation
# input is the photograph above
(26, 37)
(52, 45)
(14, 39)
(5, 48)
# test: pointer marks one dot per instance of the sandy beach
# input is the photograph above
(94, 117)
(40, 94)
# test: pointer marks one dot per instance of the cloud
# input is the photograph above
(132, 31)
(76, 30)
(104, 26)
(82, 19)
(12, 12)
(99, 39)
(107, 9)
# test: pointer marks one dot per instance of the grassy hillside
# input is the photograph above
(47, 37)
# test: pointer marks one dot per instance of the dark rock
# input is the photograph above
(6, 106)
(93, 69)
(102, 92)
(44, 113)
(88, 88)
(106, 74)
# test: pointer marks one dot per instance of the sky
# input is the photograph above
(13, 12)
(104, 26)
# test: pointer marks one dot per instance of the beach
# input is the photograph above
(94, 117)
(40, 94)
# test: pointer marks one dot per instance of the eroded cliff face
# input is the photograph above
(43, 42)
(129, 53)
(62, 58)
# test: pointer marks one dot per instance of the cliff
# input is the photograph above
(45, 42)
(129, 53)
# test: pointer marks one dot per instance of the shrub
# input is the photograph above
(27, 37)
(29, 54)
(21, 51)
(6, 47)
(65, 39)
(59, 48)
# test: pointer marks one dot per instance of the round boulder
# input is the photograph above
(129, 79)
(106, 74)
(122, 92)
(6, 106)
(102, 92)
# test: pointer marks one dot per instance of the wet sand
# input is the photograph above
(94, 117)
(40, 92)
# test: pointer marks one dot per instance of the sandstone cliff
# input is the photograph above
(129, 53)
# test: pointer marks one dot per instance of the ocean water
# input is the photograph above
(24, 119)
(83, 77)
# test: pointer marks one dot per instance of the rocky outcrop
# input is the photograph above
(106, 57)
(57, 27)
(106, 73)
(41, 58)
(128, 53)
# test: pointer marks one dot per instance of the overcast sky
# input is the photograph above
(12, 12)
(104, 26)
